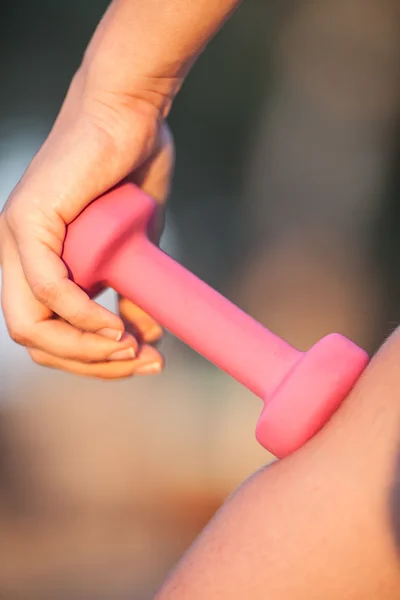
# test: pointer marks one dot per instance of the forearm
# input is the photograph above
(148, 46)
(320, 524)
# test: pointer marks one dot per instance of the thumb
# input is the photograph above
(82, 159)
(74, 166)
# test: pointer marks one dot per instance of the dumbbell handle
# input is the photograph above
(200, 316)
(107, 245)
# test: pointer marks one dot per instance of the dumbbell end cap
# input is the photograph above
(101, 230)
(310, 394)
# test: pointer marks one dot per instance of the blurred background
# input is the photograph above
(285, 199)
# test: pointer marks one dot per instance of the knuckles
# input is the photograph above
(19, 333)
(38, 357)
(45, 291)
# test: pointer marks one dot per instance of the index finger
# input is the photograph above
(47, 276)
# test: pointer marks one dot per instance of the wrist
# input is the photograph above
(143, 49)
(148, 93)
(131, 116)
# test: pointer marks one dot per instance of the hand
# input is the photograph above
(98, 139)
(111, 126)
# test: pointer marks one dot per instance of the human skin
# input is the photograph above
(323, 523)
(298, 542)
(110, 127)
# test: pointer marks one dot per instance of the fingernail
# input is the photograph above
(150, 369)
(111, 334)
(126, 354)
(155, 333)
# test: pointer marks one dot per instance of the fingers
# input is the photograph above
(56, 344)
(44, 310)
(47, 277)
(31, 324)
(46, 200)
(64, 341)
(148, 362)
(143, 327)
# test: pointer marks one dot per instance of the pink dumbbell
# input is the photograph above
(107, 246)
